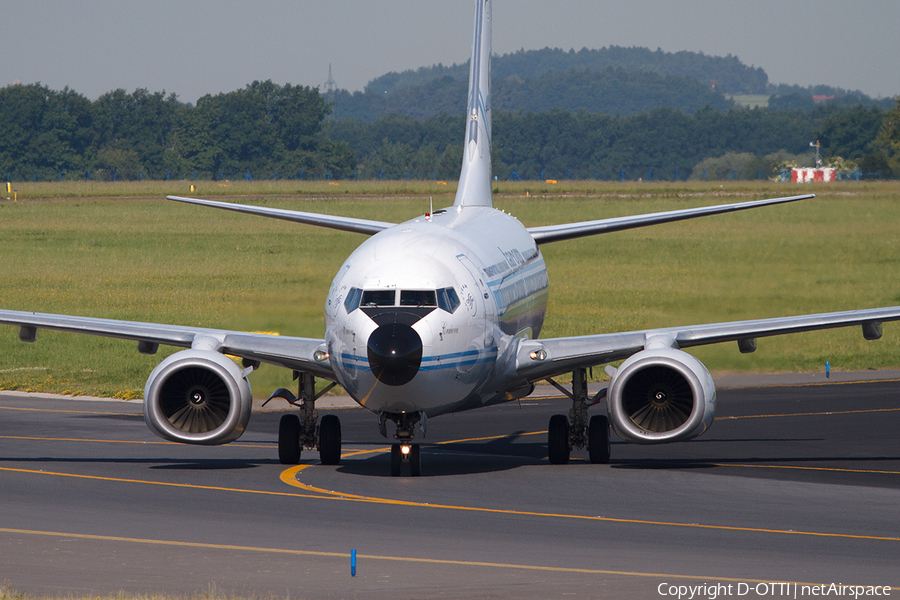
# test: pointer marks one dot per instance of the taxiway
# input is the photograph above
(794, 483)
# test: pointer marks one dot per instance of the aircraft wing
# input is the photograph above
(291, 352)
(568, 231)
(320, 220)
(537, 359)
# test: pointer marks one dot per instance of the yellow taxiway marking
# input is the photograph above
(478, 439)
(490, 437)
(813, 414)
(406, 559)
(821, 383)
(150, 443)
(288, 476)
(77, 412)
(806, 468)
(161, 483)
(54, 439)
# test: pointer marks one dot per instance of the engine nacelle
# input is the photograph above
(197, 397)
(661, 395)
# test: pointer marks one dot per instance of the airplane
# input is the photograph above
(439, 314)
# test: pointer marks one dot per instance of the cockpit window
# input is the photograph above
(417, 298)
(447, 299)
(378, 298)
(444, 298)
(351, 302)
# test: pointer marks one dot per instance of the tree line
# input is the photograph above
(262, 128)
(661, 143)
(267, 130)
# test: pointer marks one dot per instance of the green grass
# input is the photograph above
(8, 593)
(151, 260)
(291, 188)
(156, 189)
(751, 100)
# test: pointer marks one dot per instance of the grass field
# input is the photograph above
(142, 258)
(293, 188)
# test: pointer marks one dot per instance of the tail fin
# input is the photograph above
(475, 178)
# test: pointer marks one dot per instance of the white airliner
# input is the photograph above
(441, 314)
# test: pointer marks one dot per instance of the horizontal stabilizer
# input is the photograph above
(568, 231)
(319, 220)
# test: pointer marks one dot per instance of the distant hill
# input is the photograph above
(612, 80)
(612, 91)
(731, 75)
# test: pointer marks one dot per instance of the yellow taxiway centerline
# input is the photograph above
(77, 412)
(407, 559)
(289, 476)
(812, 414)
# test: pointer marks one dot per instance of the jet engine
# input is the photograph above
(661, 395)
(197, 397)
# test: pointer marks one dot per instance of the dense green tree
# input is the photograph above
(850, 133)
(263, 128)
(887, 142)
(793, 101)
(558, 144)
(44, 130)
(134, 131)
(831, 95)
(613, 90)
(745, 165)
(266, 129)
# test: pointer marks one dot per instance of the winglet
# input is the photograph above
(475, 178)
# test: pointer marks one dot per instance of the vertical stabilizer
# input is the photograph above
(475, 177)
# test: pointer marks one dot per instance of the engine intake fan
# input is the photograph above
(197, 397)
(661, 395)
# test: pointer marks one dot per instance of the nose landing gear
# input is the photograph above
(409, 453)
(404, 450)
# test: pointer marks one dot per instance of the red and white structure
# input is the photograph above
(810, 175)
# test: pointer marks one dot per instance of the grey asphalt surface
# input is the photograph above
(796, 482)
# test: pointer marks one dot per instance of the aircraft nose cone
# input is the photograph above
(395, 353)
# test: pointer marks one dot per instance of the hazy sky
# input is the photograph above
(194, 47)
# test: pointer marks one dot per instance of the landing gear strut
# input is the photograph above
(404, 450)
(567, 433)
(296, 432)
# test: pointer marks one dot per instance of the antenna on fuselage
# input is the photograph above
(475, 177)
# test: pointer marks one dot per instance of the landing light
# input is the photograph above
(405, 449)
(538, 355)
(320, 356)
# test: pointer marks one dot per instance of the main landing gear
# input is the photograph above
(567, 433)
(296, 432)
(404, 450)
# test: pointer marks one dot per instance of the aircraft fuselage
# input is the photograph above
(418, 315)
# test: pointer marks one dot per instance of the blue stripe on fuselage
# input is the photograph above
(431, 363)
